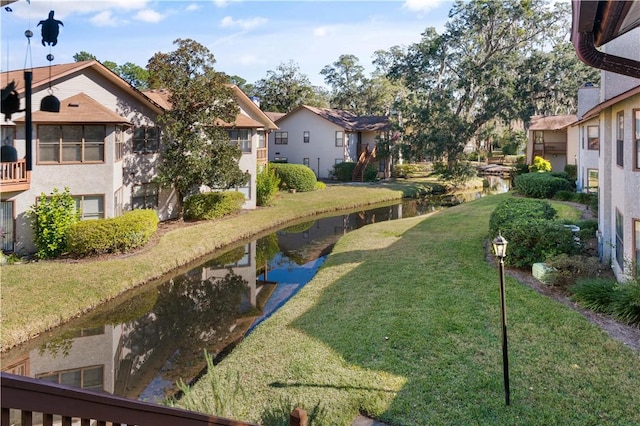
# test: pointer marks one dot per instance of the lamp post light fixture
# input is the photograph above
(500, 250)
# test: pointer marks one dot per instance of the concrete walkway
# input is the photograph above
(366, 421)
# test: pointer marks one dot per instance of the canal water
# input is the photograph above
(139, 346)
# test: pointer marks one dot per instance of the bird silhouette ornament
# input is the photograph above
(50, 30)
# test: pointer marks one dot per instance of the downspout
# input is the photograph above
(583, 42)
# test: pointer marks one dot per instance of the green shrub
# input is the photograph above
(572, 171)
(587, 227)
(567, 269)
(295, 176)
(370, 173)
(113, 235)
(51, 218)
(534, 240)
(540, 185)
(212, 205)
(404, 170)
(343, 171)
(518, 209)
(320, 185)
(267, 184)
(540, 165)
(594, 293)
(564, 195)
(626, 302)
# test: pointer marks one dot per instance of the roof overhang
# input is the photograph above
(596, 23)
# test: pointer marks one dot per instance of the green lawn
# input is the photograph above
(403, 322)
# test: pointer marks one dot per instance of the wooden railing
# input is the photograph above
(261, 154)
(30, 396)
(14, 176)
(35, 401)
(363, 161)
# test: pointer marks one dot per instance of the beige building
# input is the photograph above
(104, 145)
(548, 137)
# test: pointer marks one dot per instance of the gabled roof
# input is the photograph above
(79, 108)
(552, 122)
(275, 116)
(161, 96)
(43, 76)
(593, 112)
(345, 119)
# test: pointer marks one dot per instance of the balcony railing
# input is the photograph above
(14, 176)
(261, 155)
(34, 401)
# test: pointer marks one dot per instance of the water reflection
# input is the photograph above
(140, 347)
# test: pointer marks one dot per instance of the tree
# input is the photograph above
(197, 150)
(286, 88)
(134, 74)
(247, 88)
(462, 80)
(83, 56)
(346, 79)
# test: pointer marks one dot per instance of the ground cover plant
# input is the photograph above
(403, 322)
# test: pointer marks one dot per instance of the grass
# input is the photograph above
(41, 295)
(403, 322)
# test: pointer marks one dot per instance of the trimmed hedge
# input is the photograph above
(295, 176)
(212, 205)
(343, 171)
(113, 235)
(519, 208)
(267, 184)
(540, 185)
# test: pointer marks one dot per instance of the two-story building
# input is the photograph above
(606, 36)
(104, 144)
(321, 137)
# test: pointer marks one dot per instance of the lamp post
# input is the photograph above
(500, 250)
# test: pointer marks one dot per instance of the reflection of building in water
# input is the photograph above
(208, 308)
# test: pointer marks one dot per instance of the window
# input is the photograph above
(118, 202)
(119, 143)
(592, 180)
(305, 161)
(145, 196)
(620, 239)
(245, 190)
(146, 139)
(538, 136)
(71, 143)
(83, 378)
(636, 231)
(282, 138)
(241, 137)
(593, 137)
(339, 161)
(261, 141)
(6, 225)
(90, 206)
(339, 138)
(636, 139)
(620, 139)
(306, 135)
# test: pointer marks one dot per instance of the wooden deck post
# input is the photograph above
(298, 417)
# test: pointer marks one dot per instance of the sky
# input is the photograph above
(247, 38)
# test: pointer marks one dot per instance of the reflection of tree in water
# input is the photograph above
(266, 249)
(190, 315)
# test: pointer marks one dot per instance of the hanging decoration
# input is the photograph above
(10, 101)
(50, 30)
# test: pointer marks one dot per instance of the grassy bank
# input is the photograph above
(41, 295)
(403, 321)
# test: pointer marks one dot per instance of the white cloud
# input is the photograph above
(422, 5)
(192, 7)
(149, 15)
(224, 3)
(322, 31)
(245, 24)
(104, 19)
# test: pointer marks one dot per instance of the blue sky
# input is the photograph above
(248, 38)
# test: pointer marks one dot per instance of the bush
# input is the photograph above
(404, 170)
(295, 176)
(567, 269)
(52, 216)
(564, 195)
(534, 240)
(370, 173)
(267, 184)
(343, 171)
(320, 185)
(626, 302)
(594, 293)
(540, 185)
(540, 165)
(113, 235)
(572, 171)
(518, 209)
(212, 205)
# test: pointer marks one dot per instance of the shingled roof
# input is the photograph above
(348, 120)
(552, 122)
(79, 108)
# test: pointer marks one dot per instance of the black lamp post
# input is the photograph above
(500, 250)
